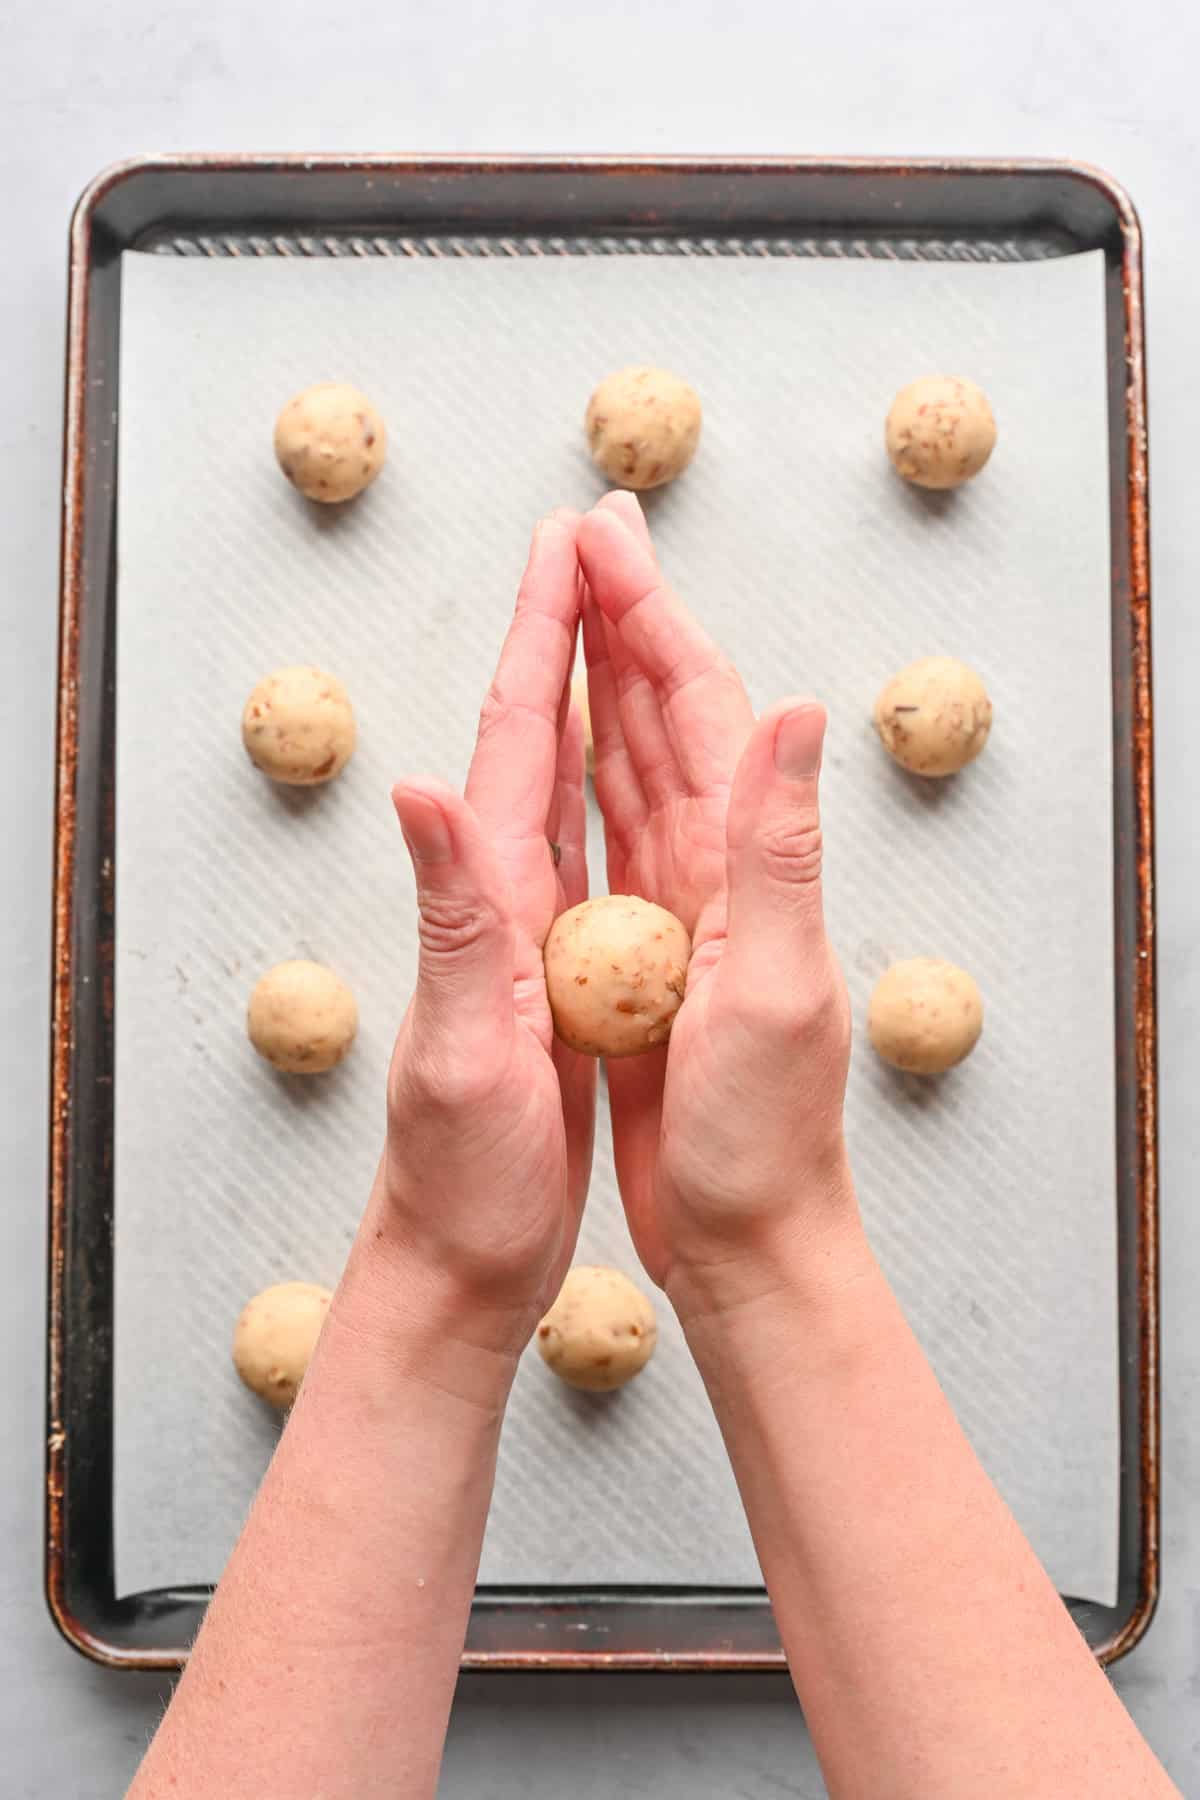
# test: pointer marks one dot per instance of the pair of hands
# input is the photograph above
(728, 1139)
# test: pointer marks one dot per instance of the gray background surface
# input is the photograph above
(83, 87)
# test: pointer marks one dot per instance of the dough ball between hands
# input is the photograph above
(940, 431)
(643, 426)
(579, 700)
(302, 1018)
(925, 1015)
(600, 1332)
(298, 726)
(274, 1338)
(330, 442)
(616, 968)
(934, 716)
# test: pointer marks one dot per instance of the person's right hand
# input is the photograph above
(729, 1142)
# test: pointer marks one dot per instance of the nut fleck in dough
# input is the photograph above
(934, 716)
(643, 426)
(302, 1017)
(600, 1332)
(275, 1335)
(940, 431)
(579, 700)
(330, 442)
(615, 973)
(925, 1015)
(298, 726)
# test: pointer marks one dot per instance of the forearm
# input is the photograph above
(328, 1659)
(929, 1650)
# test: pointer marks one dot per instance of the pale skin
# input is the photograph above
(327, 1662)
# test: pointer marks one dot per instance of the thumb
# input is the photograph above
(465, 968)
(776, 930)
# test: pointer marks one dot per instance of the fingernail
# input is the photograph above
(611, 513)
(425, 829)
(798, 738)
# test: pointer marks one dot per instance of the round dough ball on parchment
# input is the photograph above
(330, 442)
(579, 700)
(298, 726)
(302, 1017)
(925, 1015)
(940, 431)
(616, 968)
(934, 716)
(643, 426)
(600, 1332)
(275, 1336)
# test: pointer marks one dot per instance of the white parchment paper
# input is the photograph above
(989, 1194)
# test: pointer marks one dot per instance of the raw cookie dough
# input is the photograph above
(302, 1017)
(298, 726)
(925, 1015)
(600, 1332)
(274, 1338)
(330, 442)
(643, 426)
(940, 431)
(579, 699)
(934, 716)
(615, 973)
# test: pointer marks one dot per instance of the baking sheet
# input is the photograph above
(989, 1194)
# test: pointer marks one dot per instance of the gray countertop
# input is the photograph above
(84, 86)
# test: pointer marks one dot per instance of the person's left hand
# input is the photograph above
(489, 1117)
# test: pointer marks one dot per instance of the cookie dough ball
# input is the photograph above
(934, 716)
(615, 973)
(600, 1332)
(274, 1338)
(302, 1018)
(298, 726)
(925, 1015)
(330, 442)
(579, 700)
(940, 431)
(643, 426)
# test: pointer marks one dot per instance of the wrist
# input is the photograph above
(415, 1322)
(806, 1253)
(787, 1310)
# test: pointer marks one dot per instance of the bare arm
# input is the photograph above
(328, 1658)
(932, 1656)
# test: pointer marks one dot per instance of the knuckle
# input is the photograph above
(791, 850)
(495, 708)
(448, 926)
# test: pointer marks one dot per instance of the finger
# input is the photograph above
(642, 725)
(619, 793)
(776, 927)
(626, 507)
(567, 824)
(464, 993)
(511, 779)
(699, 692)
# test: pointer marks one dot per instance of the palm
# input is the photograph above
(679, 857)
